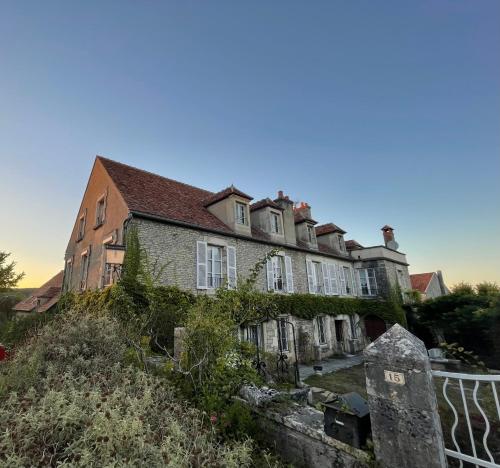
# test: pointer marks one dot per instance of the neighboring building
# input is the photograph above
(430, 285)
(205, 239)
(44, 298)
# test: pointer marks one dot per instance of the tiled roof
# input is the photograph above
(352, 245)
(232, 190)
(328, 229)
(151, 194)
(299, 217)
(155, 195)
(263, 203)
(51, 290)
(420, 281)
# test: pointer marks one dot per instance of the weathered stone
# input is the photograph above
(298, 436)
(256, 396)
(406, 427)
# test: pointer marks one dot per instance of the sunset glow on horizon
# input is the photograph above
(374, 113)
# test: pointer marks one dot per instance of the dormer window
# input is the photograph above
(241, 213)
(341, 244)
(275, 223)
(310, 234)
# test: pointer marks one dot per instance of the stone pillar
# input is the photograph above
(406, 428)
(179, 335)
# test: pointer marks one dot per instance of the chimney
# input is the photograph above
(388, 234)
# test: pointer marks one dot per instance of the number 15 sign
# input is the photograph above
(394, 377)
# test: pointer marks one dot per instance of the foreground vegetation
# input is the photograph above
(69, 398)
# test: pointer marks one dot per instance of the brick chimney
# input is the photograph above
(388, 234)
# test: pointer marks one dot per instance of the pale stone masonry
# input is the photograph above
(203, 240)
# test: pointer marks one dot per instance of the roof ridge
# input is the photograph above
(103, 158)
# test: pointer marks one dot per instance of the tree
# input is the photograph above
(487, 289)
(463, 288)
(8, 277)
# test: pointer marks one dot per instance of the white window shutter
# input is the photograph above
(333, 278)
(270, 275)
(354, 277)
(289, 274)
(342, 287)
(201, 265)
(326, 279)
(311, 277)
(231, 268)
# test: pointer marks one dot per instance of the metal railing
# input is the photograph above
(458, 390)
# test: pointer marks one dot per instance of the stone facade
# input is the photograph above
(179, 225)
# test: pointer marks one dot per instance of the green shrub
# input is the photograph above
(83, 407)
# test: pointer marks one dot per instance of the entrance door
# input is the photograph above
(374, 326)
(339, 332)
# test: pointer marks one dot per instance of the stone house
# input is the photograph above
(43, 299)
(430, 285)
(204, 240)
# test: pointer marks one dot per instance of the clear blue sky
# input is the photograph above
(374, 112)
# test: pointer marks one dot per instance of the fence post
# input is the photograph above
(406, 428)
(179, 336)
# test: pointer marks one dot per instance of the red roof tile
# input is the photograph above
(226, 193)
(265, 202)
(352, 245)
(328, 229)
(51, 290)
(420, 281)
(155, 195)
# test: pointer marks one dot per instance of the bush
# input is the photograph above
(82, 407)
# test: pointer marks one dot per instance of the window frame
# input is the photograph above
(82, 221)
(321, 324)
(278, 263)
(371, 286)
(276, 222)
(100, 215)
(311, 234)
(239, 205)
(211, 266)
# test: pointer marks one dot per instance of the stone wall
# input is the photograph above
(174, 247)
(297, 434)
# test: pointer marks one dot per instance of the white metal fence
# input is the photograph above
(475, 410)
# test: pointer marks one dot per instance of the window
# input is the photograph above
(278, 280)
(99, 211)
(367, 282)
(282, 334)
(241, 213)
(84, 271)
(321, 329)
(318, 273)
(112, 273)
(81, 228)
(69, 274)
(310, 234)
(255, 335)
(275, 223)
(214, 266)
